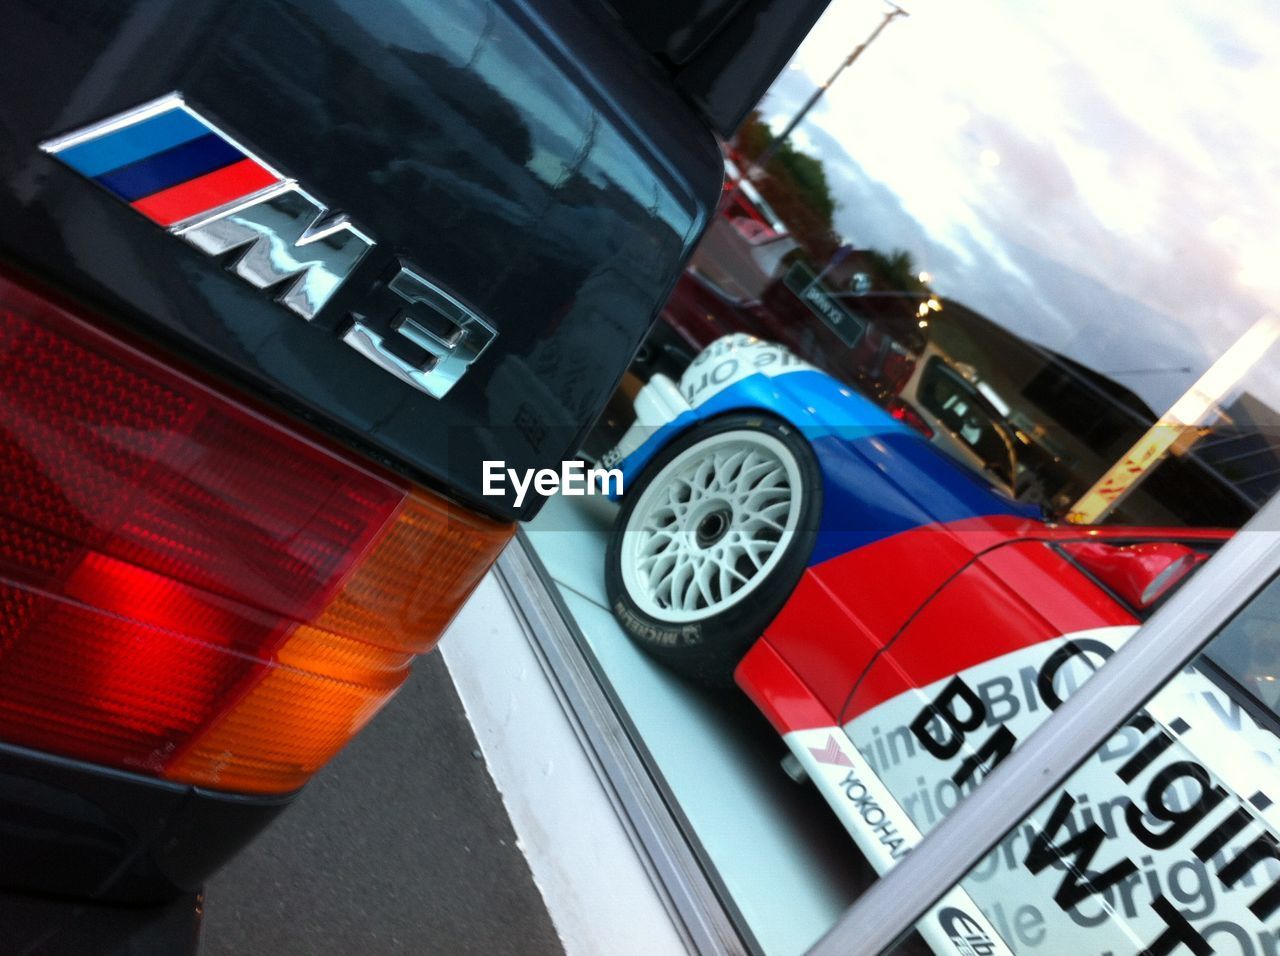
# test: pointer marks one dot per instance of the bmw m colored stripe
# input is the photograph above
(171, 167)
(189, 199)
(165, 160)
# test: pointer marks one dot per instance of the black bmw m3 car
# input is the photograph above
(275, 278)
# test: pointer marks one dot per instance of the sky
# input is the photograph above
(1103, 179)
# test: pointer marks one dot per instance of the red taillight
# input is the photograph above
(909, 416)
(166, 552)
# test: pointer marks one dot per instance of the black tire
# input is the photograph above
(708, 649)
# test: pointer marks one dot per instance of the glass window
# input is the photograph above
(969, 417)
(1246, 656)
(971, 371)
(1163, 841)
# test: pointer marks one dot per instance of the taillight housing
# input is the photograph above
(189, 588)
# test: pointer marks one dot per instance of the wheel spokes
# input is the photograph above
(714, 527)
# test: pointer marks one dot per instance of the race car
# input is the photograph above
(903, 624)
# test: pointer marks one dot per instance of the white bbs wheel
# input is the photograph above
(710, 526)
(711, 540)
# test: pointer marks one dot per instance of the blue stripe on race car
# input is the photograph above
(880, 477)
(633, 464)
(812, 401)
(881, 485)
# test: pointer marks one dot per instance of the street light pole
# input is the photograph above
(763, 159)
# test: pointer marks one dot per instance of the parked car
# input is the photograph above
(275, 279)
(954, 408)
(903, 622)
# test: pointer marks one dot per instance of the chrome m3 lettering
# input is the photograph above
(286, 238)
(443, 336)
(180, 170)
(285, 234)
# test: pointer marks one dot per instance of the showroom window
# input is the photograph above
(1159, 839)
(933, 466)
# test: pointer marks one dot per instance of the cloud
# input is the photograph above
(1130, 219)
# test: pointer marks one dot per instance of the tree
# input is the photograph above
(895, 271)
(795, 185)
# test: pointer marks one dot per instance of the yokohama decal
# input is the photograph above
(885, 834)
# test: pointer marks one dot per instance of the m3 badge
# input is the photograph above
(176, 168)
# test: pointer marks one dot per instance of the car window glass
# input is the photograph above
(1003, 318)
(959, 408)
(1248, 651)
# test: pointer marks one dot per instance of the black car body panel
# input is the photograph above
(532, 162)
(71, 829)
(548, 163)
(722, 54)
(55, 927)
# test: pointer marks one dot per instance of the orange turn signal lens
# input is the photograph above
(330, 676)
(190, 586)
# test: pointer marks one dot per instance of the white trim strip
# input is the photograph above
(691, 900)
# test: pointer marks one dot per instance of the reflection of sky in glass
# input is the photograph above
(555, 113)
(466, 34)
(1103, 179)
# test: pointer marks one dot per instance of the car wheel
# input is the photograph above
(711, 541)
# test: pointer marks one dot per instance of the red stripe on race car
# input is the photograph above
(1003, 602)
(845, 609)
(781, 696)
(1054, 587)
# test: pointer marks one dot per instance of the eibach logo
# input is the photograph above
(965, 933)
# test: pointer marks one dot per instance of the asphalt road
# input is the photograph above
(400, 845)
